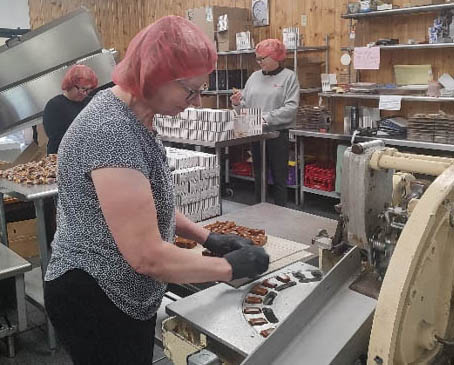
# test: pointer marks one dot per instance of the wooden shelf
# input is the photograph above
(408, 46)
(250, 178)
(400, 11)
(377, 97)
(299, 49)
(312, 90)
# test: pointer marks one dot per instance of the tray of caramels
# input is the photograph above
(42, 172)
(282, 252)
(257, 236)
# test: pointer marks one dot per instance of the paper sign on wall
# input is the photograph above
(390, 102)
(366, 58)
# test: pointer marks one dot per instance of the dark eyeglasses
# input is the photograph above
(85, 90)
(192, 94)
(260, 59)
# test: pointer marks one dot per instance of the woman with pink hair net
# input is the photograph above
(61, 110)
(276, 91)
(113, 252)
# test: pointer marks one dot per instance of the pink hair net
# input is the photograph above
(79, 75)
(170, 49)
(273, 48)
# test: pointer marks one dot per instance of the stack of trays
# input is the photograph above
(313, 118)
(196, 178)
(437, 128)
(209, 125)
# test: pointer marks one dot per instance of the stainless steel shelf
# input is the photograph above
(299, 49)
(250, 178)
(329, 194)
(377, 97)
(217, 92)
(389, 141)
(400, 11)
(408, 46)
(229, 92)
(241, 177)
(27, 192)
(221, 144)
(310, 90)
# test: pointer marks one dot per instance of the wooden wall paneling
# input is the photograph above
(118, 21)
(281, 16)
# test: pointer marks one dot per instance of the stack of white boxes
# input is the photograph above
(196, 177)
(211, 125)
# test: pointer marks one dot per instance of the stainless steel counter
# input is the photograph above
(27, 192)
(12, 265)
(37, 194)
(301, 134)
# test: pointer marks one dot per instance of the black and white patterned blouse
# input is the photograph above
(107, 134)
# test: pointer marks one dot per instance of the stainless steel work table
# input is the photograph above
(12, 265)
(218, 146)
(300, 134)
(36, 194)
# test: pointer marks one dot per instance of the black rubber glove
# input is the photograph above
(220, 244)
(248, 262)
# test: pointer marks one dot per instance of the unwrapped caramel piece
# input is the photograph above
(259, 290)
(258, 321)
(252, 310)
(284, 278)
(185, 243)
(269, 284)
(267, 332)
(253, 300)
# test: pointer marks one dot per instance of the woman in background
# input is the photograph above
(276, 91)
(61, 110)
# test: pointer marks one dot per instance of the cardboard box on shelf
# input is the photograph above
(413, 74)
(23, 238)
(234, 20)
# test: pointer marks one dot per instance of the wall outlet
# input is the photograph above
(303, 20)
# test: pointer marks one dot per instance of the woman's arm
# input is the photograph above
(188, 229)
(287, 112)
(243, 96)
(128, 206)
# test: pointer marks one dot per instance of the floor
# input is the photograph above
(31, 345)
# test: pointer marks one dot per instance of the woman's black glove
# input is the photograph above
(248, 262)
(220, 244)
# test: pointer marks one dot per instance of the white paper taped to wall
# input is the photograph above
(366, 58)
(390, 102)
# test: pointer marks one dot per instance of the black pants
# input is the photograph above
(277, 162)
(91, 328)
